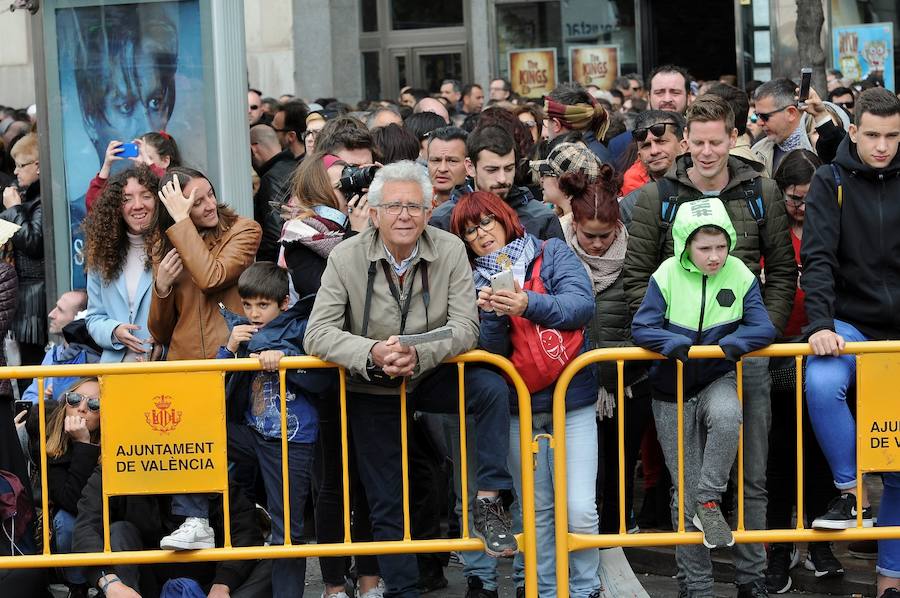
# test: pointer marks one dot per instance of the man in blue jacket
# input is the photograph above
(851, 275)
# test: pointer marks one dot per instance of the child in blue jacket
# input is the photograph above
(701, 296)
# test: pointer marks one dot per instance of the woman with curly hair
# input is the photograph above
(117, 261)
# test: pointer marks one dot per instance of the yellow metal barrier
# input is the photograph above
(868, 366)
(348, 547)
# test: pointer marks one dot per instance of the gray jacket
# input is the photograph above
(335, 325)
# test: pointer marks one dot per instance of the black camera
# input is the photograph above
(354, 179)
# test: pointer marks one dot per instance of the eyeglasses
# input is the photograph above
(765, 116)
(486, 224)
(395, 209)
(846, 105)
(309, 133)
(254, 106)
(795, 200)
(74, 399)
(658, 130)
(529, 123)
(21, 166)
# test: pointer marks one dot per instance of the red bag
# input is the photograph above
(541, 354)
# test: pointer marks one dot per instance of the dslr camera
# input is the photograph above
(354, 179)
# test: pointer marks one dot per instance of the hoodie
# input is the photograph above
(851, 271)
(684, 307)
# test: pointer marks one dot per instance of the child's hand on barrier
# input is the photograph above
(269, 360)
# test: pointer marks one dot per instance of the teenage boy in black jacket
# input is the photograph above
(851, 275)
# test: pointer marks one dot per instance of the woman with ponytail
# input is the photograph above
(597, 236)
(570, 107)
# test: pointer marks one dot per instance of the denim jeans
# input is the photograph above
(375, 425)
(581, 487)
(191, 505)
(889, 514)
(63, 528)
(712, 421)
(288, 575)
(827, 380)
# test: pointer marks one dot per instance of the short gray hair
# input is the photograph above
(405, 170)
(782, 92)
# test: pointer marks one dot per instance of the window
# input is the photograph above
(416, 14)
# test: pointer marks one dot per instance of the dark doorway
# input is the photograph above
(696, 35)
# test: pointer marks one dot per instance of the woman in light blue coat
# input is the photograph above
(118, 266)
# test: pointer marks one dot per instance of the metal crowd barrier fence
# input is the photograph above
(193, 391)
(878, 448)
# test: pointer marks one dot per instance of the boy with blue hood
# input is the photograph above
(701, 296)
(271, 331)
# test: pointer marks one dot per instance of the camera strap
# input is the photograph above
(403, 305)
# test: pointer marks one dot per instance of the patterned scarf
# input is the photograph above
(318, 234)
(579, 117)
(602, 269)
(797, 140)
(515, 256)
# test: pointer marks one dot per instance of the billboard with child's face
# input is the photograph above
(125, 70)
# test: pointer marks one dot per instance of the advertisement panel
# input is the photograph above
(594, 65)
(863, 50)
(532, 72)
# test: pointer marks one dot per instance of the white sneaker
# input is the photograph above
(376, 592)
(193, 534)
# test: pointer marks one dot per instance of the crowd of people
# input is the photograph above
(661, 213)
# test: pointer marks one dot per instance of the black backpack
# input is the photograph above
(669, 202)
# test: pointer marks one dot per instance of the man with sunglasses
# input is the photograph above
(710, 170)
(417, 279)
(659, 136)
(254, 106)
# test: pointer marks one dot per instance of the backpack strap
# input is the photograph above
(753, 196)
(668, 207)
(837, 181)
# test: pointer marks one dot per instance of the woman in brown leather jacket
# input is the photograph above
(200, 250)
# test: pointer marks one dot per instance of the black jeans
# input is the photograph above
(375, 425)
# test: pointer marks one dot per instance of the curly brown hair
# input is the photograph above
(105, 233)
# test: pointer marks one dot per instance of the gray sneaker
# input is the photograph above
(709, 520)
(492, 526)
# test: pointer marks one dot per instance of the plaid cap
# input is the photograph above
(569, 157)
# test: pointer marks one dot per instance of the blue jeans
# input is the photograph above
(827, 380)
(581, 484)
(288, 575)
(64, 527)
(375, 426)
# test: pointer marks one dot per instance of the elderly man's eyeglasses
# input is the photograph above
(395, 209)
(658, 130)
(486, 224)
(765, 116)
(74, 399)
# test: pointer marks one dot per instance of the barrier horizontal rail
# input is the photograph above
(567, 542)
(288, 550)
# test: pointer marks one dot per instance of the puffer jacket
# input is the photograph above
(568, 305)
(9, 296)
(851, 269)
(188, 318)
(684, 307)
(30, 324)
(643, 254)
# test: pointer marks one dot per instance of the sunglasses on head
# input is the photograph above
(658, 130)
(74, 399)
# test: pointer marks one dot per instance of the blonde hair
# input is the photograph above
(57, 439)
(26, 147)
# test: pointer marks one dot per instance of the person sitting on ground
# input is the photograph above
(156, 149)
(718, 295)
(73, 451)
(271, 331)
(550, 291)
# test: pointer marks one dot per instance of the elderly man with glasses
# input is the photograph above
(402, 277)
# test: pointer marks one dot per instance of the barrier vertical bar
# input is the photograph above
(404, 458)
(799, 397)
(463, 453)
(620, 406)
(345, 454)
(226, 498)
(679, 398)
(859, 443)
(42, 423)
(285, 486)
(560, 490)
(740, 455)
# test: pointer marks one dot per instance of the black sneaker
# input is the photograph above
(782, 558)
(890, 593)
(476, 589)
(430, 583)
(492, 526)
(841, 514)
(820, 559)
(863, 549)
(754, 589)
(520, 592)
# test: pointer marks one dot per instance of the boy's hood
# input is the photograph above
(692, 215)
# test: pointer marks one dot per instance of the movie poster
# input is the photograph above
(126, 70)
(863, 50)
(532, 72)
(594, 65)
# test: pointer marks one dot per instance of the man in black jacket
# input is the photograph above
(138, 523)
(275, 168)
(851, 275)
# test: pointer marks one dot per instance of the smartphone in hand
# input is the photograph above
(129, 150)
(503, 281)
(805, 82)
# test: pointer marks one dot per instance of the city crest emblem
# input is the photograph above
(163, 417)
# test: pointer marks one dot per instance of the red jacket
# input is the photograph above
(636, 176)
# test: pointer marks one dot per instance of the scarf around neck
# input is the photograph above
(797, 140)
(515, 256)
(603, 270)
